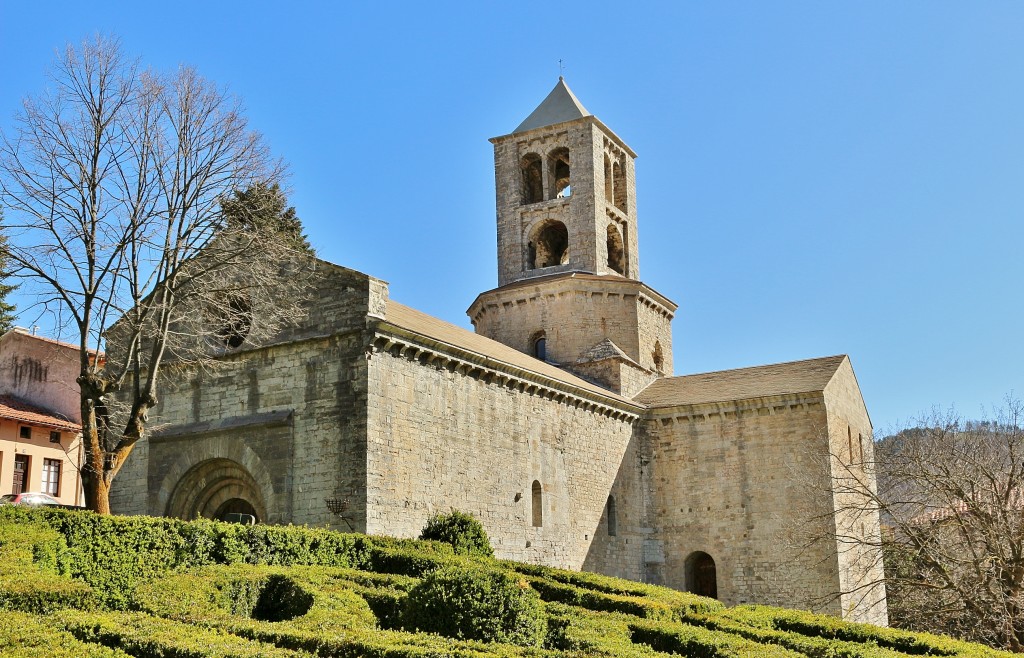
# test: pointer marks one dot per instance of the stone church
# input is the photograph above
(557, 423)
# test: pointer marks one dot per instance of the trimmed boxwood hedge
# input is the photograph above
(24, 635)
(477, 604)
(466, 535)
(114, 586)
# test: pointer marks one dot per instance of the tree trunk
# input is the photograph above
(97, 494)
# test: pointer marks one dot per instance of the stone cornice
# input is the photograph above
(265, 419)
(726, 409)
(572, 282)
(527, 135)
(402, 343)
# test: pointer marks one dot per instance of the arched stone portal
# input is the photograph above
(701, 576)
(216, 487)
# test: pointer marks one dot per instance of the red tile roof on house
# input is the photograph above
(11, 408)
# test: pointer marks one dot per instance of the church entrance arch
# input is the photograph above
(215, 488)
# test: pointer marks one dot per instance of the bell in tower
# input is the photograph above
(568, 263)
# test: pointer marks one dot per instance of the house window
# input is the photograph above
(613, 525)
(54, 437)
(25, 432)
(538, 505)
(51, 477)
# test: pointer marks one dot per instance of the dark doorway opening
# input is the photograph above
(235, 506)
(701, 577)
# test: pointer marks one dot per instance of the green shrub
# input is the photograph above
(32, 555)
(851, 635)
(207, 588)
(477, 604)
(589, 633)
(606, 594)
(305, 597)
(700, 642)
(466, 535)
(151, 637)
(29, 636)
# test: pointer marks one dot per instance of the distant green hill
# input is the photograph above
(77, 584)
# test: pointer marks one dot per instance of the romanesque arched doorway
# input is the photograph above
(701, 577)
(215, 488)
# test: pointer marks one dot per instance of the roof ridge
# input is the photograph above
(495, 350)
(786, 378)
(763, 365)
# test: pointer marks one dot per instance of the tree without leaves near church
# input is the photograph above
(950, 497)
(7, 315)
(113, 182)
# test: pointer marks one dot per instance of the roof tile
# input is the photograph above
(12, 408)
(743, 383)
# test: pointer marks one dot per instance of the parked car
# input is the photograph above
(35, 499)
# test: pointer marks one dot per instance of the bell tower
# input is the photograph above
(566, 196)
(568, 262)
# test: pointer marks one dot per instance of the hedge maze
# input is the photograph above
(76, 584)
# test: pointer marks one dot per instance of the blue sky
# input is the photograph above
(813, 178)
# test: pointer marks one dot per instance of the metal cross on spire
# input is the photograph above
(561, 69)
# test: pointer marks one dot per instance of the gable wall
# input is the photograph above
(727, 480)
(852, 450)
(293, 414)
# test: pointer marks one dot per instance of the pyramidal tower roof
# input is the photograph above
(559, 106)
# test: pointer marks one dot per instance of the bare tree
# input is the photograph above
(113, 180)
(950, 495)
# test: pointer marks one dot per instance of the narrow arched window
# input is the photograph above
(849, 442)
(538, 504)
(619, 176)
(658, 357)
(609, 511)
(533, 183)
(607, 178)
(616, 251)
(540, 346)
(558, 173)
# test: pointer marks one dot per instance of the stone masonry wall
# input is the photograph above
(294, 410)
(860, 562)
(725, 481)
(576, 314)
(441, 439)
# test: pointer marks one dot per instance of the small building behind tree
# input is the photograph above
(40, 420)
